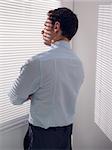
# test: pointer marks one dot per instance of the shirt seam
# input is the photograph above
(53, 107)
(40, 72)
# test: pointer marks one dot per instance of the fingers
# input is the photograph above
(46, 36)
(29, 97)
(47, 40)
(47, 32)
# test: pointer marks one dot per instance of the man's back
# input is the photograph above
(53, 104)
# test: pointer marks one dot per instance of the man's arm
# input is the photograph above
(26, 84)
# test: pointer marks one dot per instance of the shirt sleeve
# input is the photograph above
(26, 83)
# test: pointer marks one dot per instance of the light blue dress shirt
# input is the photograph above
(53, 80)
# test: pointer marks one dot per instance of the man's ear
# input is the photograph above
(57, 27)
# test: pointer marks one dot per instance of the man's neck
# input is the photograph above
(59, 39)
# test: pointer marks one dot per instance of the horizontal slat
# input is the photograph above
(103, 99)
(21, 23)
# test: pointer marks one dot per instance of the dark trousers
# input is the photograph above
(53, 138)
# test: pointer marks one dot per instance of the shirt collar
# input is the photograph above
(61, 43)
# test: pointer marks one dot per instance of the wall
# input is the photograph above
(13, 139)
(87, 135)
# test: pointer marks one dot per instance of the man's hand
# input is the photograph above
(47, 32)
(29, 97)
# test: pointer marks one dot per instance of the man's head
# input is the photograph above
(61, 24)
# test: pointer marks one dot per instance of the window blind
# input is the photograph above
(21, 22)
(103, 96)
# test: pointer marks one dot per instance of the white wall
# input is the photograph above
(87, 135)
(13, 139)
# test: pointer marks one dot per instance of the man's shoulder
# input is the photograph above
(49, 54)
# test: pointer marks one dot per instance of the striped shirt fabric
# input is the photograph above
(52, 80)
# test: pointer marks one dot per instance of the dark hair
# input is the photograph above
(68, 21)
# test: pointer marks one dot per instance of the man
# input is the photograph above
(51, 80)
